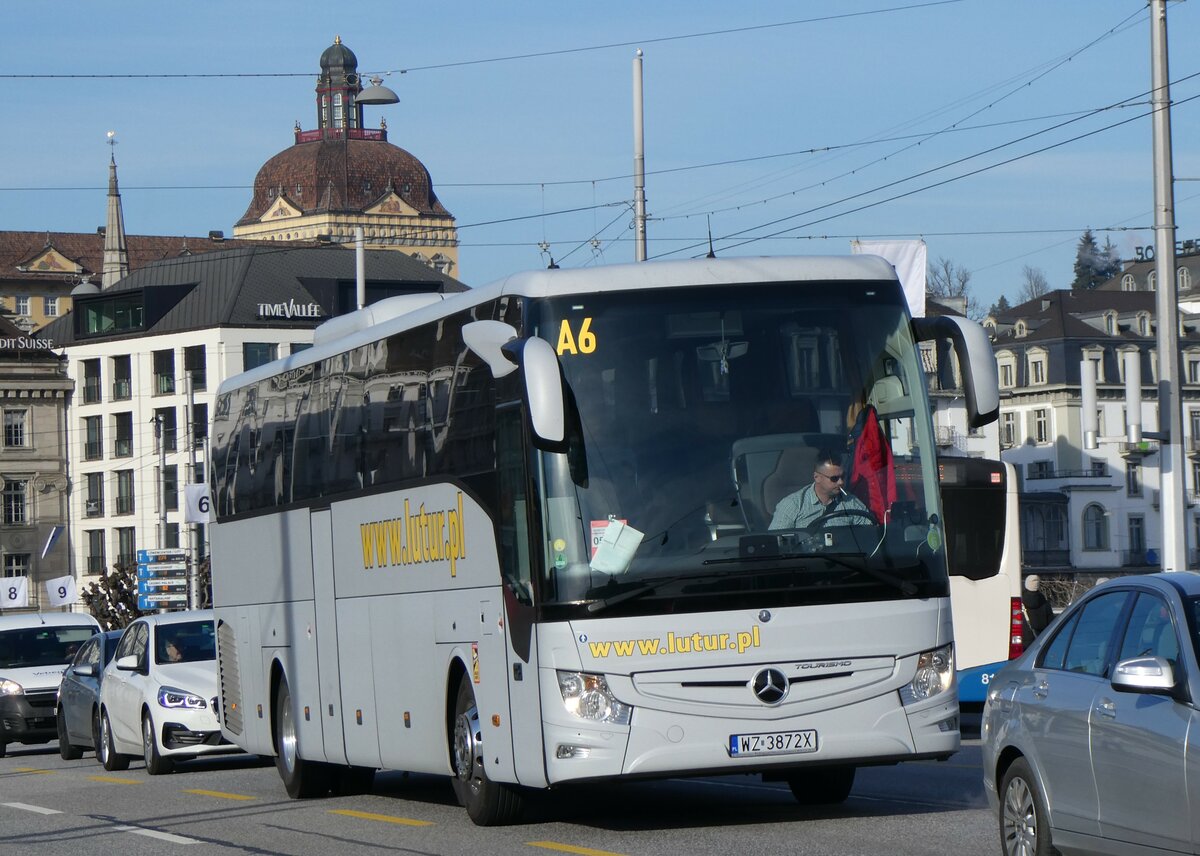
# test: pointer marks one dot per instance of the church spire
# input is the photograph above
(116, 257)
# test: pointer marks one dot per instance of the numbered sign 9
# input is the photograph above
(14, 593)
(60, 591)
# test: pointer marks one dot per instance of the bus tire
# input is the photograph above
(302, 779)
(821, 785)
(487, 803)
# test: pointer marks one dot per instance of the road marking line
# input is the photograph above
(154, 833)
(34, 808)
(571, 848)
(383, 818)
(221, 795)
(116, 780)
(31, 770)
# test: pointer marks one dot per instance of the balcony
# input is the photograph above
(164, 384)
(93, 450)
(122, 389)
(91, 390)
(1046, 558)
(95, 564)
(93, 508)
(123, 447)
(1137, 451)
(945, 435)
(1097, 473)
(124, 505)
(1134, 559)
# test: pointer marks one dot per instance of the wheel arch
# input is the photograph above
(454, 676)
(277, 677)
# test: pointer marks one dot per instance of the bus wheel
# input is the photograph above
(822, 785)
(487, 803)
(302, 779)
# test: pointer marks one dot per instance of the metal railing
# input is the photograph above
(1068, 474)
(1046, 558)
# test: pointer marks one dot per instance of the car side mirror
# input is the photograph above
(1144, 675)
(85, 670)
(127, 663)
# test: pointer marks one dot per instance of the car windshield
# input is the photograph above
(42, 646)
(188, 642)
(731, 441)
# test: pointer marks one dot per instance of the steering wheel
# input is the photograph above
(819, 524)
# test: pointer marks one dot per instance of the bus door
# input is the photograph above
(330, 709)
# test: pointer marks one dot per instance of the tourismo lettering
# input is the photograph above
(416, 537)
(290, 309)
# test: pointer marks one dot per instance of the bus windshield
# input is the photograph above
(697, 419)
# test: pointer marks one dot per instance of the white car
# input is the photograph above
(158, 698)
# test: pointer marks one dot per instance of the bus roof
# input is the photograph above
(378, 323)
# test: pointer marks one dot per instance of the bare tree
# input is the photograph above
(1033, 284)
(112, 599)
(945, 279)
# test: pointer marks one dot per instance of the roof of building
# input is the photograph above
(227, 288)
(20, 252)
(342, 175)
(1061, 314)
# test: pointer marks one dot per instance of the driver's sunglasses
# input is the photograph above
(835, 479)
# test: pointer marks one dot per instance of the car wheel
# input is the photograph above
(110, 759)
(65, 749)
(487, 803)
(1024, 819)
(156, 764)
(822, 785)
(302, 779)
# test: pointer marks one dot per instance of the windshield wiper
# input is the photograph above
(905, 587)
(645, 588)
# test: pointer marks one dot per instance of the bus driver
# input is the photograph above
(824, 497)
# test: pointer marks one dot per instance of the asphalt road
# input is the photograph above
(236, 804)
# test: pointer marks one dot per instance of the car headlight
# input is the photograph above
(8, 687)
(935, 675)
(172, 697)
(588, 697)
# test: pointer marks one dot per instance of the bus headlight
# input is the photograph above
(587, 696)
(935, 675)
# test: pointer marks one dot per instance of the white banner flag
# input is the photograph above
(199, 504)
(61, 591)
(14, 592)
(908, 258)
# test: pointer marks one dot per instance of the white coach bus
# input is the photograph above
(520, 536)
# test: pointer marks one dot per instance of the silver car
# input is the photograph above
(1091, 740)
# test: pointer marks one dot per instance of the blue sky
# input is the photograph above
(811, 110)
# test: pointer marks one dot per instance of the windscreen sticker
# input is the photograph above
(571, 342)
(418, 536)
(687, 643)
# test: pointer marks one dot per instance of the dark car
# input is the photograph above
(1090, 739)
(79, 695)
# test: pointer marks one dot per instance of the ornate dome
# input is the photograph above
(337, 55)
(339, 175)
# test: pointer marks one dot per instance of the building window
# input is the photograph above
(17, 564)
(122, 378)
(170, 488)
(124, 491)
(22, 304)
(1128, 283)
(93, 444)
(1133, 479)
(1008, 429)
(50, 307)
(171, 536)
(255, 354)
(126, 549)
(1193, 369)
(1006, 375)
(195, 366)
(1110, 323)
(1137, 536)
(1143, 324)
(1037, 371)
(1183, 278)
(1041, 425)
(16, 433)
(1039, 470)
(164, 372)
(95, 554)
(94, 502)
(165, 427)
(16, 504)
(199, 424)
(91, 381)
(297, 347)
(107, 315)
(1095, 528)
(123, 427)
(1099, 468)
(1152, 280)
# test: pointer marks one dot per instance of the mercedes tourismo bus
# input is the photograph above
(983, 551)
(520, 536)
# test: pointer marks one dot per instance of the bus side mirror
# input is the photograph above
(981, 384)
(487, 339)
(542, 389)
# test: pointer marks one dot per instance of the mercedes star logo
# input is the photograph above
(770, 686)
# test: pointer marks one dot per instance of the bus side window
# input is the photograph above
(515, 557)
